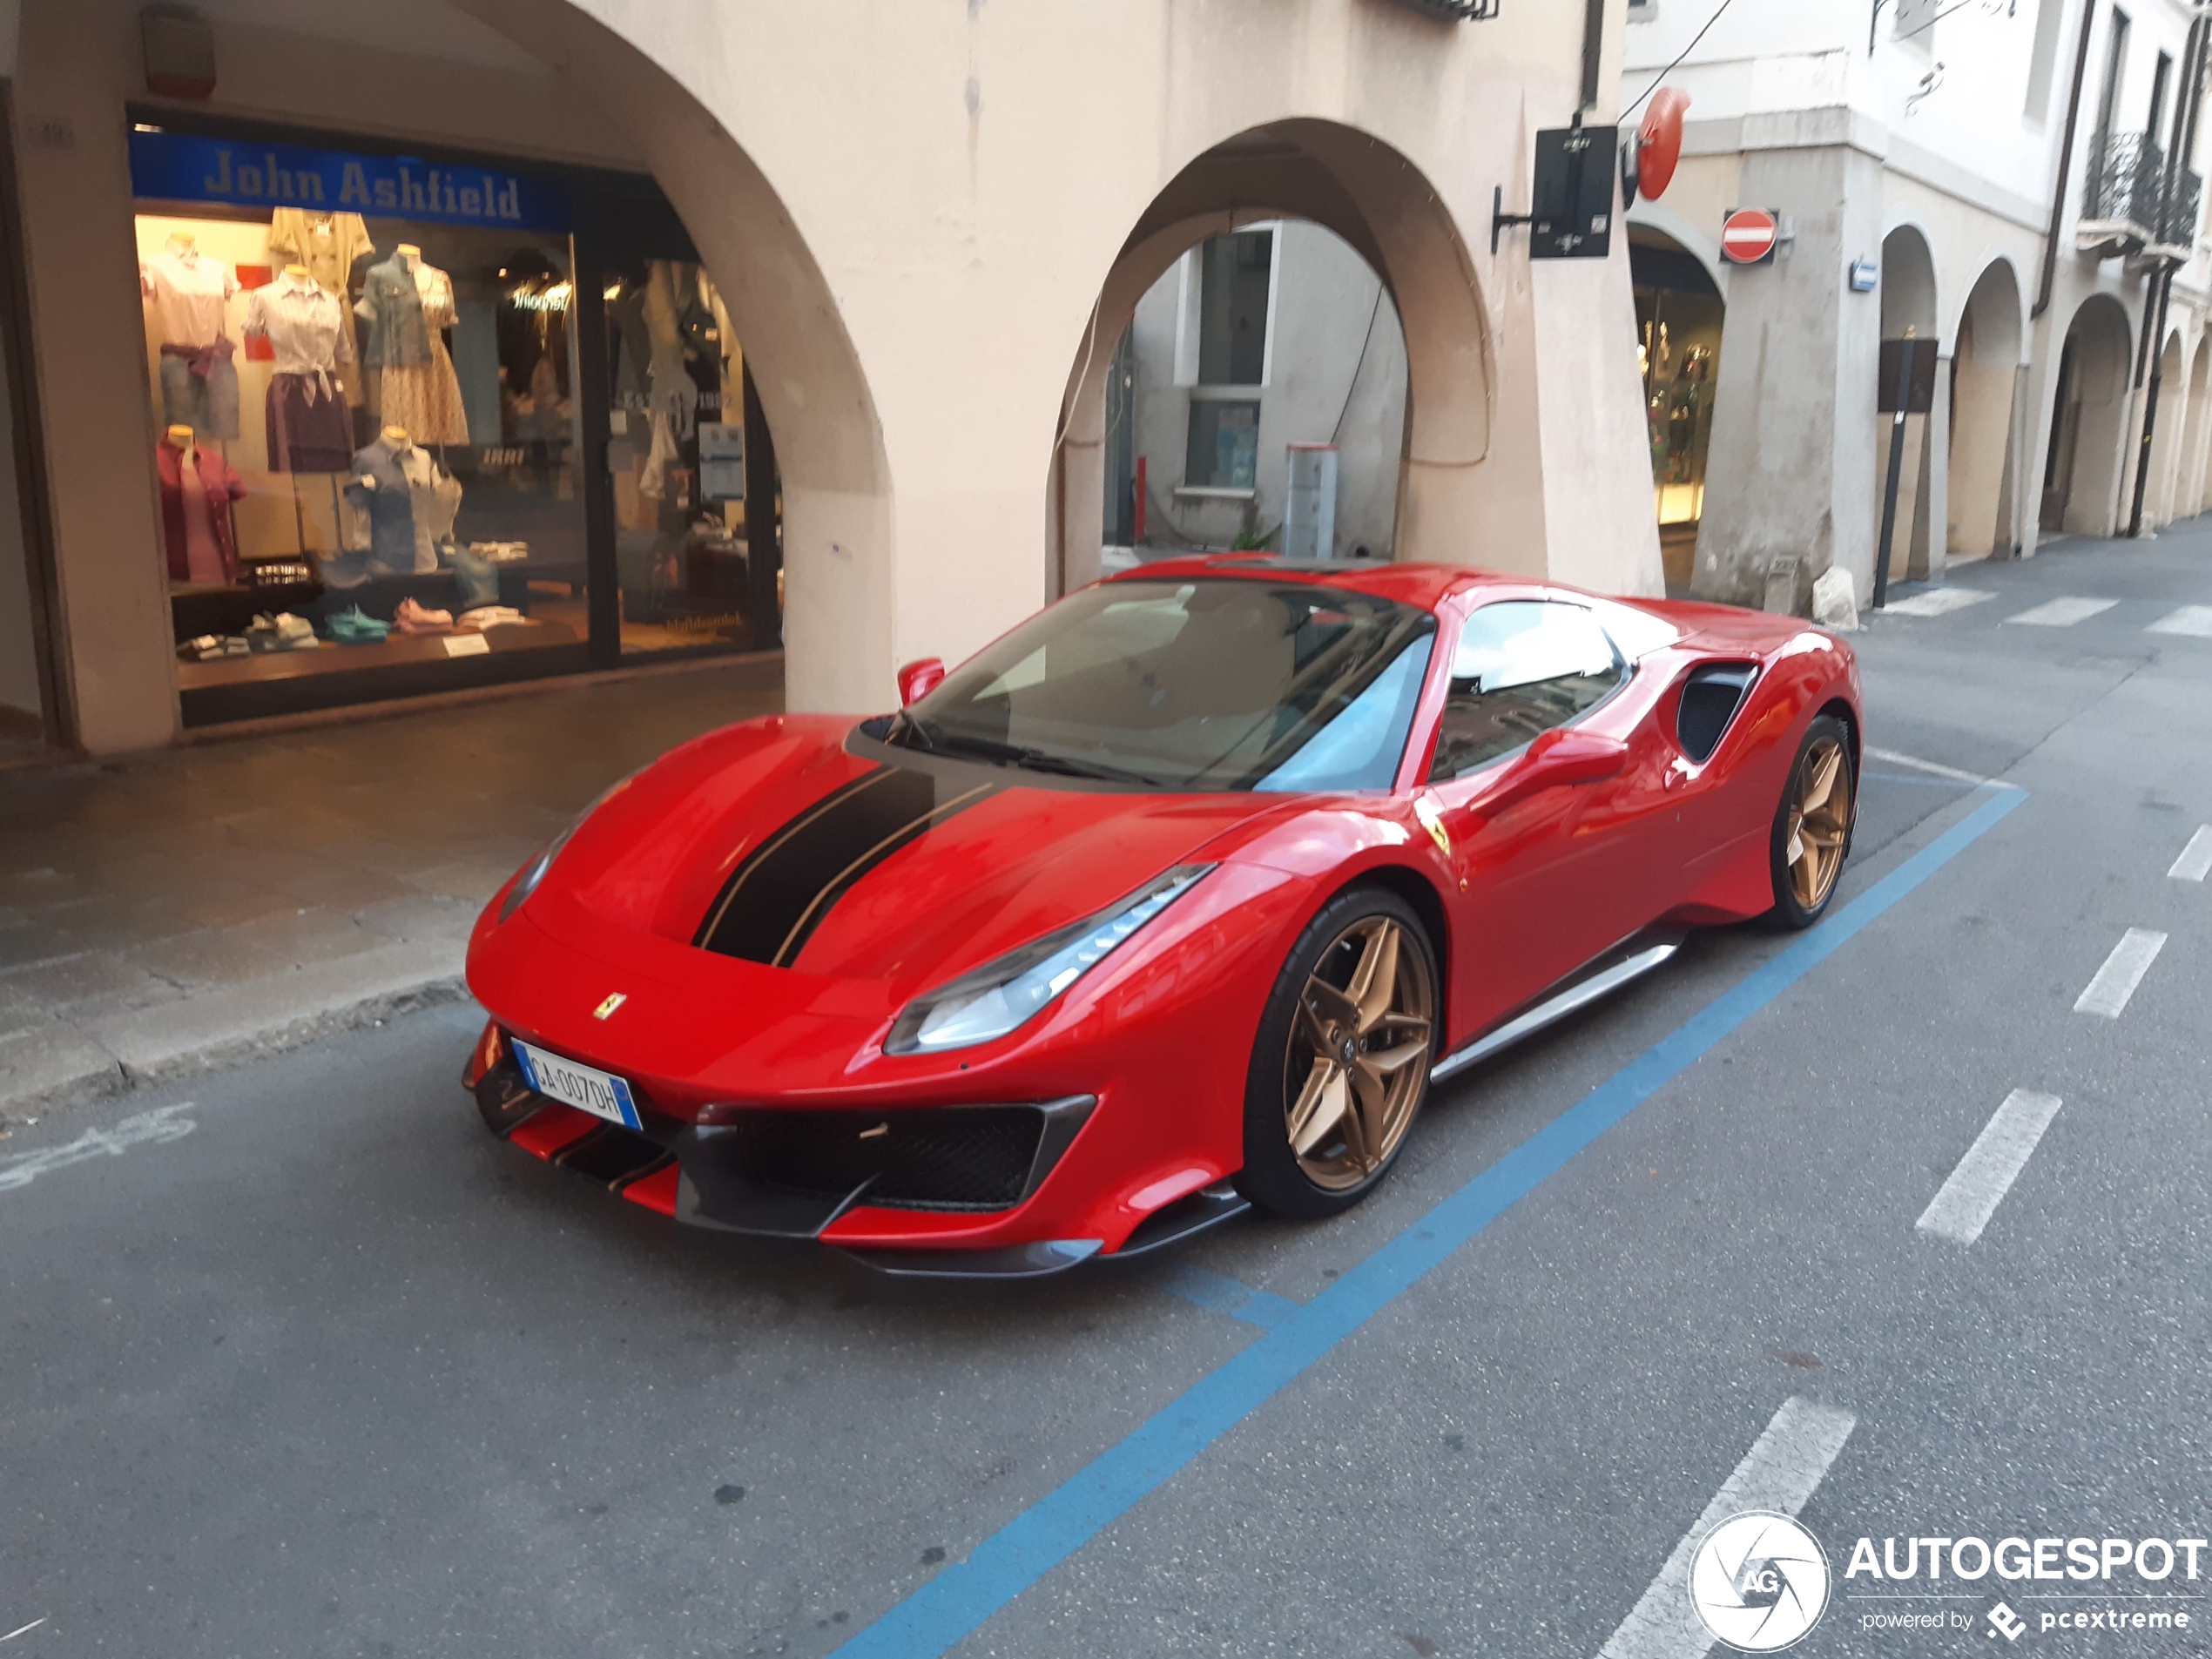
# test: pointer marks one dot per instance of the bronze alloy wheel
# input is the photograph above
(1820, 816)
(1358, 1062)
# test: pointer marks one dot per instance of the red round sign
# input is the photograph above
(1747, 236)
(1659, 142)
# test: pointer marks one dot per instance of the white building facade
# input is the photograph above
(1998, 175)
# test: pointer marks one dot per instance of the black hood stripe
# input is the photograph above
(780, 893)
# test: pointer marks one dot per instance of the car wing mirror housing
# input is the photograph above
(919, 679)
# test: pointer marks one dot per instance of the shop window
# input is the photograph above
(369, 456)
(1235, 285)
(1224, 451)
(371, 413)
(676, 454)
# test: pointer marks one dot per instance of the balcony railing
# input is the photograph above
(2132, 187)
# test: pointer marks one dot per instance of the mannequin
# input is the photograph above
(408, 304)
(327, 245)
(187, 294)
(400, 508)
(308, 425)
(198, 486)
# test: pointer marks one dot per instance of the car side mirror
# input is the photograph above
(1562, 755)
(919, 679)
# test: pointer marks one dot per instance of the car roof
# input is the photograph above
(1425, 585)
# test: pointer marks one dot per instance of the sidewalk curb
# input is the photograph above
(226, 1027)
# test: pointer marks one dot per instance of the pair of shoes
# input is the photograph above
(411, 618)
(354, 626)
(483, 616)
(283, 632)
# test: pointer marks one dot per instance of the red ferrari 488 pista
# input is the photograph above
(1175, 901)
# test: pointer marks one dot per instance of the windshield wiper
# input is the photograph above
(913, 733)
(1031, 759)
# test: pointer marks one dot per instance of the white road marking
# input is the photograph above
(2062, 613)
(162, 1125)
(1963, 1206)
(1897, 759)
(1779, 1472)
(2189, 619)
(24, 1630)
(2195, 862)
(2123, 972)
(1934, 602)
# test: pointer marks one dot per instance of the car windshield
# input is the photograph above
(1215, 684)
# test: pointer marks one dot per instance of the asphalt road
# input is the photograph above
(299, 1361)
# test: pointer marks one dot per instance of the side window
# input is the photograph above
(1521, 667)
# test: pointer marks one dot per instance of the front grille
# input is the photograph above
(955, 1157)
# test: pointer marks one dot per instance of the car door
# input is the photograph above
(1525, 786)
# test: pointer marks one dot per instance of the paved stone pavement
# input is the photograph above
(188, 907)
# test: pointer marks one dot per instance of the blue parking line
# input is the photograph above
(958, 1599)
(1219, 1293)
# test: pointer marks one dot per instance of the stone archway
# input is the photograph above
(2083, 463)
(1909, 306)
(838, 621)
(1985, 366)
(2166, 446)
(2189, 498)
(1378, 202)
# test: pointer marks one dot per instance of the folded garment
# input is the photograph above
(283, 632)
(413, 618)
(354, 626)
(209, 648)
(483, 616)
(501, 552)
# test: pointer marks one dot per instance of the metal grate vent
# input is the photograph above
(1456, 11)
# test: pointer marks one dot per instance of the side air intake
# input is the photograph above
(1710, 699)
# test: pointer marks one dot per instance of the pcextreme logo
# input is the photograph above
(1760, 1582)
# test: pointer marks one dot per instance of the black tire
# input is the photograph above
(1275, 1177)
(1791, 910)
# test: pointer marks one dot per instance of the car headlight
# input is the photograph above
(1002, 995)
(533, 872)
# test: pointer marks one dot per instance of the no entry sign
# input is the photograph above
(1748, 236)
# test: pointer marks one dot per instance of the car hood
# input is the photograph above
(776, 842)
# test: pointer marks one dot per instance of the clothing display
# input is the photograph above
(281, 632)
(405, 307)
(186, 293)
(400, 511)
(413, 619)
(309, 428)
(354, 626)
(200, 537)
(329, 245)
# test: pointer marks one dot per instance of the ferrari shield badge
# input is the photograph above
(605, 1010)
(1433, 820)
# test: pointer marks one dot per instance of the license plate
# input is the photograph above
(585, 1088)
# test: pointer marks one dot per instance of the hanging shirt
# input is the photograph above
(188, 291)
(304, 323)
(327, 244)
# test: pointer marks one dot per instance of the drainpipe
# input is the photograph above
(2066, 162)
(1593, 48)
(2184, 141)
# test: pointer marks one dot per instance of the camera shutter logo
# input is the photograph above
(1760, 1582)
